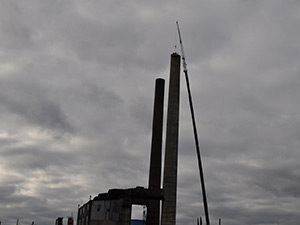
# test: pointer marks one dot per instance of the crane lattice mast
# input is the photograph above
(194, 128)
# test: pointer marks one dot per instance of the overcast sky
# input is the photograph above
(76, 99)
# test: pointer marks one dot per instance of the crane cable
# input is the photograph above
(194, 128)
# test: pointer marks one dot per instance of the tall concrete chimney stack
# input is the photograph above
(171, 151)
(153, 207)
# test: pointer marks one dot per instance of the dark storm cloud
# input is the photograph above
(32, 158)
(29, 105)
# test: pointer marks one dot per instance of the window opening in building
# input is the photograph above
(138, 215)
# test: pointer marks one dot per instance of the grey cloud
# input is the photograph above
(86, 70)
(44, 113)
(31, 106)
(6, 192)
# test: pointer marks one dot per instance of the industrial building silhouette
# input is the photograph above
(115, 206)
(59, 221)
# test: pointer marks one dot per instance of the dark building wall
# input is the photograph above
(105, 212)
(115, 211)
(114, 207)
(84, 214)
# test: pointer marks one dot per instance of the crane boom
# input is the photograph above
(194, 128)
(182, 51)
